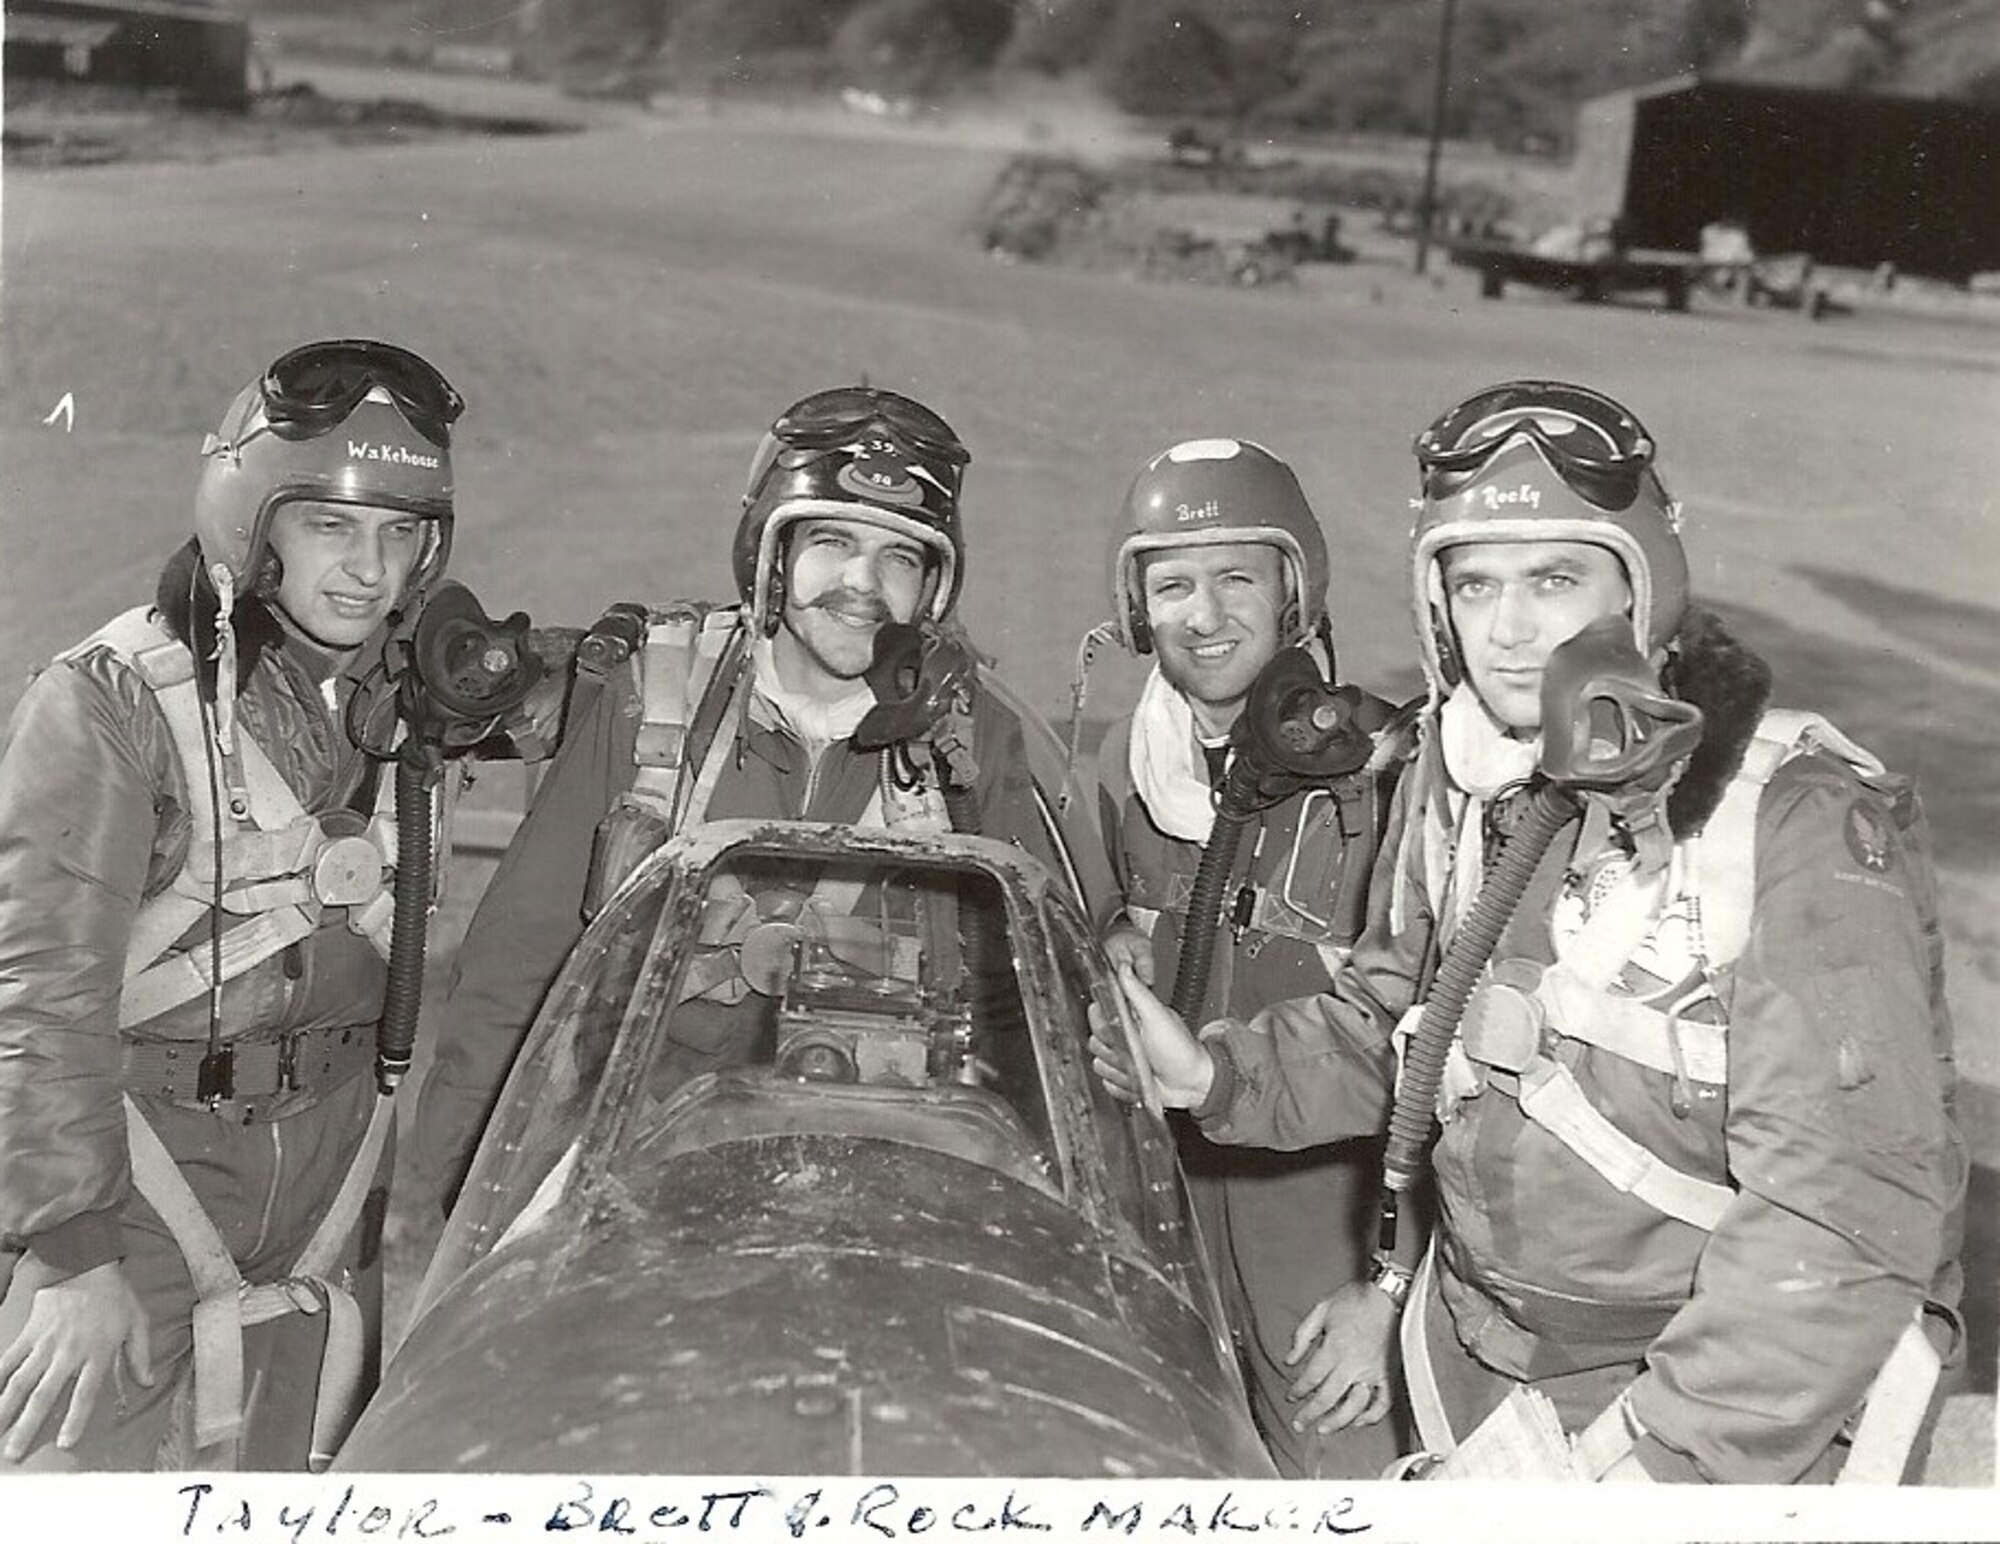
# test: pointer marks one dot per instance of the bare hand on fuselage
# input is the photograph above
(1125, 945)
(1181, 1064)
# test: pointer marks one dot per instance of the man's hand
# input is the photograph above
(1181, 1064)
(1125, 946)
(1109, 1058)
(76, 1331)
(1345, 1381)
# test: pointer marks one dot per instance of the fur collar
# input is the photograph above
(1731, 685)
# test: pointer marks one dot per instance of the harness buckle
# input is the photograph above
(306, 1297)
(288, 1063)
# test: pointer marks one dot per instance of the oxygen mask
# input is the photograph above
(1612, 737)
(1606, 725)
(451, 674)
(923, 683)
(1296, 729)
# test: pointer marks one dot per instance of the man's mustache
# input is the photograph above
(868, 608)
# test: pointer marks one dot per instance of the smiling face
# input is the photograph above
(847, 578)
(1512, 603)
(1215, 614)
(345, 567)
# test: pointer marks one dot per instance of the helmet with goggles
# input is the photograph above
(349, 421)
(852, 453)
(1205, 493)
(1539, 461)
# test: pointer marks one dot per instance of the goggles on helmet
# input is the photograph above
(314, 388)
(855, 444)
(1595, 445)
(828, 419)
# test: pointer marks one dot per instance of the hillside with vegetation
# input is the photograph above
(1518, 67)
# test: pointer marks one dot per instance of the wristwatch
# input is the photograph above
(1392, 1279)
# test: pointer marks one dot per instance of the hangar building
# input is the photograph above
(199, 51)
(1854, 180)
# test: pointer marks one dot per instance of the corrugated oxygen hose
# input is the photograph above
(396, 1039)
(1549, 810)
(1211, 880)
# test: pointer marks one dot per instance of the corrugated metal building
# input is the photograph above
(1855, 180)
(200, 51)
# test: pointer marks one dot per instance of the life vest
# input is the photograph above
(1307, 871)
(281, 867)
(1309, 883)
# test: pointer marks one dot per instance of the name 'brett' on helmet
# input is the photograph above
(1207, 493)
(852, 453)
(347, 421)
(1532, 461)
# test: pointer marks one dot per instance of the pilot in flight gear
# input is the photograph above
(1700, 1190)
(690, 712)
(195, 905)
(1284, 1231)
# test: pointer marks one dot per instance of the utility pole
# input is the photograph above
(1427, 204)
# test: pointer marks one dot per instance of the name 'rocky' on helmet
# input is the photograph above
(1209, 493)
(852, 453)
(348, 421)
(1532, 461)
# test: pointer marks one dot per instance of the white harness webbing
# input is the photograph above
(1652, 1037)
(1717, 867)
(278, 866)
(677, 664)
(1426, 1406)
(1552, 1098)
(1724, 854)
(225, 1304)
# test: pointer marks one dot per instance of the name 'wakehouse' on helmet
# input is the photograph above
(1209, 493)
(347, 421)
(852, 453)
(1529, 461)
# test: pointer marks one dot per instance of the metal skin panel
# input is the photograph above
(760, 1272)
(811, 1305)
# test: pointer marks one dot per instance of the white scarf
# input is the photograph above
(817, 724)
(1480, 760)
(1480, 755)
(1168, 771)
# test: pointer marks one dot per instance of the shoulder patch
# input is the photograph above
(1871, 836)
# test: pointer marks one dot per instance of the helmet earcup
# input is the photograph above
(777, 588)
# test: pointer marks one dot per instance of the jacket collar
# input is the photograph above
(187, 604)
(1711, 668)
